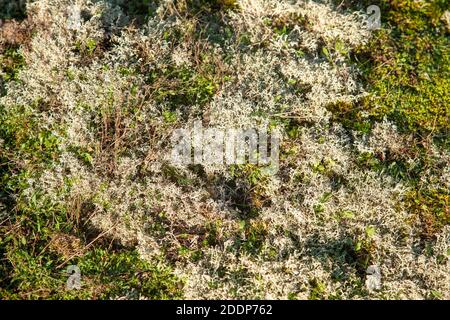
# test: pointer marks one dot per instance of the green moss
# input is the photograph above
(320, 206)
(82, 154)
(317, 290)
(284, 24)
(251, 196)
(32, 270)
(408, 67)
(252, 236)
(181, 87)
(121, 273)
(86, 48)
(431, 208)
(11, 62)
(169, 117)
(177, 176)
(104, 275)
(350, 116)
(364, 247)
(408, 172)
(23, 136)
(196, 7)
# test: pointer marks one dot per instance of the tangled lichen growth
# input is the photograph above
(86, 122)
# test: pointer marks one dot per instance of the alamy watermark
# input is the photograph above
(74, 280)
(215, 146)
(374, 18)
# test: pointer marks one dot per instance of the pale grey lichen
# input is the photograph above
(302, 242)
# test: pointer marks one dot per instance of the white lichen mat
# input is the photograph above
(308, 219)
